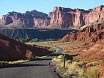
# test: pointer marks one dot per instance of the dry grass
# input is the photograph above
(47, 44)
(5, 63)
(77, 69)
(73, 47)
(68, 47)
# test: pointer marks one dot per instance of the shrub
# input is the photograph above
(92, 73)
(34, 40)
(75, 69)
(94, 63)
(60, 57)
(68, 62)
(5, 63)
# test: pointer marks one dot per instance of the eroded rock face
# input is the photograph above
(41, 23)
(92, 33)
(11, 50)
(29, 19)
(66, 17)
(59, 18)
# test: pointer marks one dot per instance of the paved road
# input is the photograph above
(33, 69)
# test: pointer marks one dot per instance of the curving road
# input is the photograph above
(35, 69)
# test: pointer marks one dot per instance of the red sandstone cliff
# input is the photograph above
(91, 33)
(62, 18)
(30, 19)
(66, 17)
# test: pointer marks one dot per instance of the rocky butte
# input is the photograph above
(66, 17)
(59, 18)
(30, 19)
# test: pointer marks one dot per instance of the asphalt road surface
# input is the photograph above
(34, 69)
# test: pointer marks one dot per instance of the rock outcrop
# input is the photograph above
(67, 17)
(91, 33)
(93, 53)
(59, 18)
(12, 50)
(30, 19)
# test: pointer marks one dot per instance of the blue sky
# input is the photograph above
(45, 5)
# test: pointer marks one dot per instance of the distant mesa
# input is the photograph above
(59, 18)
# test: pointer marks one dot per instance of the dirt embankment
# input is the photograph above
(13, 50)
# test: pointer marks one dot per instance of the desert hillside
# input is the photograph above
(91, 33)
(13, 50)
(88, 46)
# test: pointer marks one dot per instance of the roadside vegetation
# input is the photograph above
(89, 62)
(6, 63)
(10, 63)
(44, 44)
(75, 69)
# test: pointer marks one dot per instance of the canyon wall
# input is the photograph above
(67, 17)
(30, 19)
(59, 18)
(91, 33)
